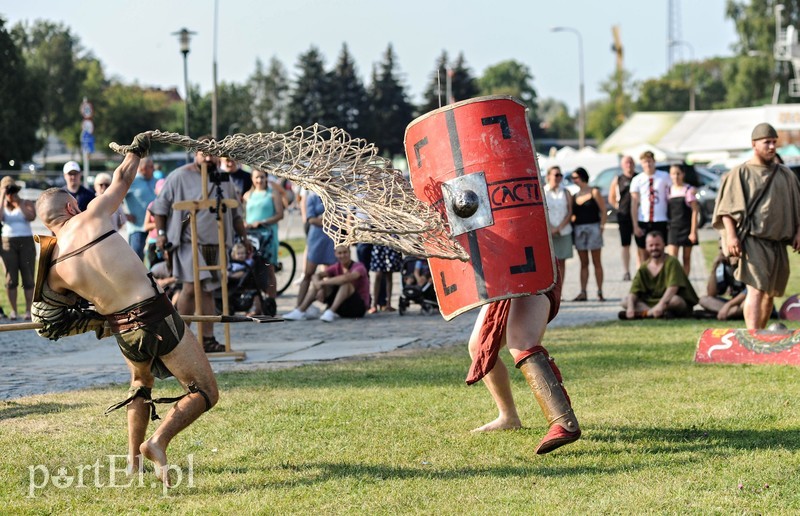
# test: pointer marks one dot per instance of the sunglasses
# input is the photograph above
(104, 185)
(559, 175)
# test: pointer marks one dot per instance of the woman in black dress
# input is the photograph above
(683, 216)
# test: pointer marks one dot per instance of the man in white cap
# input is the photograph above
(758, 215)
(73, 178)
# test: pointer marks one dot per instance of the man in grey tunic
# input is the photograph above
(182, 184)
(758, 215)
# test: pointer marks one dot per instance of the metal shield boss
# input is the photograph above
(475, 163)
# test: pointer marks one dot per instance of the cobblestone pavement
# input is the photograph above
(32, 365)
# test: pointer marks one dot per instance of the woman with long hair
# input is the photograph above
(684, 211)
(263, 207)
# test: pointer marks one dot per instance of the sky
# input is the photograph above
(134, 40)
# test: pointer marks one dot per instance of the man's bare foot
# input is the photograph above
(159, 457)
(135, 465)
(500, 423)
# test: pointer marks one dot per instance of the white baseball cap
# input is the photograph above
(69, 166)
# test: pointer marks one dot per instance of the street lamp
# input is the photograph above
(184, 36)
(582, 113)
(675, 43)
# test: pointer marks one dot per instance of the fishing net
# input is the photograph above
(366, 199)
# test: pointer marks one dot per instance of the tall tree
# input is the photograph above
(512, 78)
(390, 108)
(51, 52)
(20, 105)
(309, 101)
(463, 83)
(434, 95)
(754, 73)
(348, 96)
(129, 110)
(234, 113)
(556, 121)
(604, 116)
(270, 92)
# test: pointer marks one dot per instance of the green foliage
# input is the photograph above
(129, 110)
(52, 52)
(755, 68)
(348, 97)
(270, 91)
(20, 104)
(464, 84)
(513, 78)
(556, 121)
(309, 101)
(389, 107)
(663, 94)
(234, 107)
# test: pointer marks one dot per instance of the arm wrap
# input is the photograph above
(61, 316)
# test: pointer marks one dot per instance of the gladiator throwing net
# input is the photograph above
(365, 199)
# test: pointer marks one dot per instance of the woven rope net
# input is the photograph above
(365, 199)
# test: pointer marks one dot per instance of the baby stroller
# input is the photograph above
(247, 279)
(417, 286)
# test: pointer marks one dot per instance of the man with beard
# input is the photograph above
(661, 287)
(758, 215)
(183, 184)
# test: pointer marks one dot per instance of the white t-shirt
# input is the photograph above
(557, 207)
(15, 224)
(655, 210)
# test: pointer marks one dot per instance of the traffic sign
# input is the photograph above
(87, 111)
(87, 142)
(87, 126)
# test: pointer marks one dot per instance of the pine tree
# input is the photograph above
(389, 106)
(348, 96)
(434, 95)
(463, 83)
(270, 92)
(309, 102)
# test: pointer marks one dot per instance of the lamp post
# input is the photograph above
(184, 36)
(675, 43)
(582, 113)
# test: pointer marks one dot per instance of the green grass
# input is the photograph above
(391, 435)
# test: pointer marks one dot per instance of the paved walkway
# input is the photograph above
(32, 365)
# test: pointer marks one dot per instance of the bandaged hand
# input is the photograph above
(140, 145)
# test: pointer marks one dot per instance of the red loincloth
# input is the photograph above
(491, 332)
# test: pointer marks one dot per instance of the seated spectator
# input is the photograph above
(661, 287)
(343, 287)
(238, 268)
(722, 283)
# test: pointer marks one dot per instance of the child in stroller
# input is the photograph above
(417, 285)
(248, 283)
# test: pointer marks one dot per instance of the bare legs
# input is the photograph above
(499, 386)
(598, 268)
(527, 322)
(757, 308)
(190, 366)
(672, 250)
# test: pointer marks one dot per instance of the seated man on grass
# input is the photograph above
(343, 287)
(661, 287)
(722, 283)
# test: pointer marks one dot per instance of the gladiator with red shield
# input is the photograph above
(475, 163)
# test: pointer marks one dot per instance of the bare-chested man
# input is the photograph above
(91, 260)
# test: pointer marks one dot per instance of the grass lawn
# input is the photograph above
(391, 435)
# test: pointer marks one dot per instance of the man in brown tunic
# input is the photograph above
(758, 215)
